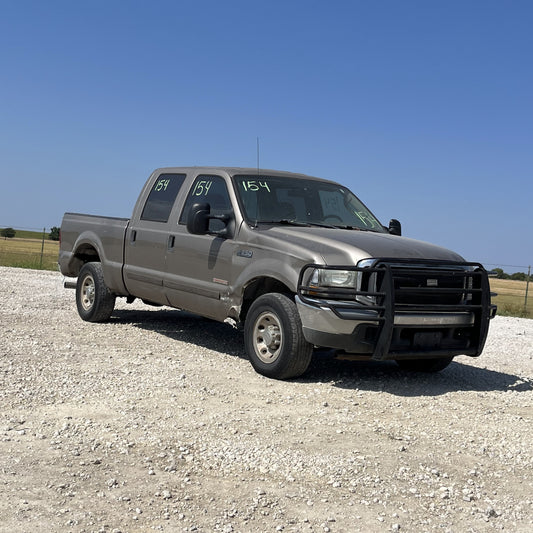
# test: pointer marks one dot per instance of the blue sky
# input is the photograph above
(423, 108)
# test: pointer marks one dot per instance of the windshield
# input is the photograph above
(274, 199)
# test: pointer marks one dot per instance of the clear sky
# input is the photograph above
(423, 108)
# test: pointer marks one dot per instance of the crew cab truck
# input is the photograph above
(299, 262)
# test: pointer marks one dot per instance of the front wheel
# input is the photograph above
(94, 300)
(274, 338)
(424, 365)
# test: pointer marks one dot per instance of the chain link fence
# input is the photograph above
(29, 248)
(511, 292)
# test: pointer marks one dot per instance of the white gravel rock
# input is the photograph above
(156, 421)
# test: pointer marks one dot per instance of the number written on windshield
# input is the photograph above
(254, 185)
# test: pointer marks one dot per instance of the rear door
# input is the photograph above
(147, 240)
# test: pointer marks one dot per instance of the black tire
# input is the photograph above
(94, 300)
(274, 338)
(424, 365)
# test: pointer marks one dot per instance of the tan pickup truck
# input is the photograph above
(298, 261)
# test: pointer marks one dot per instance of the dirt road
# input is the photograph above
(156, 421)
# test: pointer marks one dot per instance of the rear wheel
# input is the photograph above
(424, 365)
(94, 300)
(274, 338)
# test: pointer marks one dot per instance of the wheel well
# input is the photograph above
(258, 287)
(85, 253)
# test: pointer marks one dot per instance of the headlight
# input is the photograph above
(332, 278)
(355, 284)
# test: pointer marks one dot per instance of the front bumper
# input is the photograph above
(403, 322)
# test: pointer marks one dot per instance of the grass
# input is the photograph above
(511, 297)
(26, 252)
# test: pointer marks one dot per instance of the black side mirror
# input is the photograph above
(198, 219)
(395, 228)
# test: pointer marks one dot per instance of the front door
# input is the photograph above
(198, 269)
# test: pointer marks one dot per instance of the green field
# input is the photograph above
(510, 297)
(26, 252)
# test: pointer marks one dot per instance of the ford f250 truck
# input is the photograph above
(298, 261)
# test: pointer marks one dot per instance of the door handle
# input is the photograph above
(171, 241)
(133, 236)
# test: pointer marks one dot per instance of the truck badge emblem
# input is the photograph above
(245, 253)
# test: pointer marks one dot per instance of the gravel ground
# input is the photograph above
(156, 421)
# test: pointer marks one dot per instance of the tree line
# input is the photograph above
(9, 233)
(517, 276)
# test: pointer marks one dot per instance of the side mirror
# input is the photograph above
(198, 219)
(395, 228)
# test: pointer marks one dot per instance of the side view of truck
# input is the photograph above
(296, 261)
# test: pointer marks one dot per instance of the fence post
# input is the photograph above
(42, 249)
(527, 288)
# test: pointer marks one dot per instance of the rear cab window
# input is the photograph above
(162, 197)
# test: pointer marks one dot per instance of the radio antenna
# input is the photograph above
(258, 156)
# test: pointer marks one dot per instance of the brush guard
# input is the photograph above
(411, 309)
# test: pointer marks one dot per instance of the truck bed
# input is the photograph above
(97, 236)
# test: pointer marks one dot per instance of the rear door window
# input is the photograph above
(162, 197)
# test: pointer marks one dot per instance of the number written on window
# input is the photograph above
(254, 185)
(161, 185)
(202, 187)
(162, 196)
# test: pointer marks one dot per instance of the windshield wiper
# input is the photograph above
(341, 226)
(297, 223)
(302, 224)
(322, 225)
(346, 226)
(284, 221)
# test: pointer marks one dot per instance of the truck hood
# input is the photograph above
(340, 246)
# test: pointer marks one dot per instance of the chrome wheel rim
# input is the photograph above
(267, 337)
(87, 293)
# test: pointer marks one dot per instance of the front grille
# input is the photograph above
(441, 287)
(427, 287)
